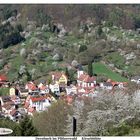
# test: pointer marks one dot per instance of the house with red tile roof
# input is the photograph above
(3, 78)
(4, 81)
(30, 86)
(71, 89)
(15, 99)
(31, 111)
(110, 84)
(38, 103)
(5, 99)
(69, 100)
(106, 85)
(85, 83)
(44, 89)
(7, 108)
(55, 88)
(14, 115)
(22, 91)
(60, 78)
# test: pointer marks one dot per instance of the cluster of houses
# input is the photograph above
(32, 97)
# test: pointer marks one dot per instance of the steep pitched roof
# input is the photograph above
(6, 98)
(42, 86)
(31, 86)
(86, 78)
(69, 99)
(3, 78)
(26, 105)
(7, 106)
(31, 109)
(37, 99)
(13, 112)
(108, 84)
(14, 97)
(57, 75)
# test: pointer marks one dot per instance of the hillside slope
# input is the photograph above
(50, 45)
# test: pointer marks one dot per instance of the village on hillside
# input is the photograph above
(37, 97)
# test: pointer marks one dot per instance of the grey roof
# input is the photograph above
(6, 98)
(42, 81)
(136, 77)
(107, 84)
(79, 67)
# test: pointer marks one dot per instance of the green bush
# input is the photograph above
(4, 91)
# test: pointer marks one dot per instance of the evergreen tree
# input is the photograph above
(6, 123)
(27, 128)
(67, 73)
(90, 69)
(82, 48)
(99, 31)
(29, 77)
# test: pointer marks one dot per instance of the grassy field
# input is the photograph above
(135, 132)
(4, 91)
(116, 59)
(102, 69)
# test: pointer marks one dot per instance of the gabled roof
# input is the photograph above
(23, 90)
(42, 87)
(14, 97)
(69, 99)
(108, 84)
(86, 78)
(57, 75)
(79, 67)
(86, 90)
(37, 99)
(7, 106)
(6, 98)
(13, 112)
(31, 86)
(3, 78)
(26, 105)
(31, 109)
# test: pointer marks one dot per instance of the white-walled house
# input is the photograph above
(30, 86)
(44, 89)
(136, 79)
(38, 103)
(4, 99)
(71, 89)
(55, 88)
(121, 85)
(84, 80)
(7, 108)
(85, 83)
(15, 99)
(106, 85)
(14, 115)
(60, 78)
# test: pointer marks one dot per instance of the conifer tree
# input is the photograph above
(27, 128)
(90, 69)
(67, 73)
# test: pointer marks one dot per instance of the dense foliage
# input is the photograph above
(53, 121)
(27, 128)
(10, 35)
